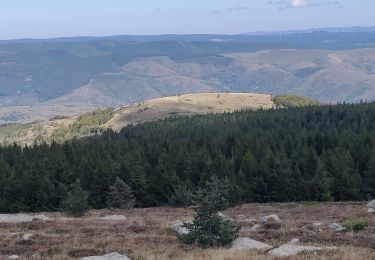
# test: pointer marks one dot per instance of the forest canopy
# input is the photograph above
(314, 153)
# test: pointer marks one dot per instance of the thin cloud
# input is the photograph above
(285, 4)
(231, 9)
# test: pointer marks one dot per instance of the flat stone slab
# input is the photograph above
(245, 243)
(291, 250)
(111, 256)
(113, 217)
(21, 218)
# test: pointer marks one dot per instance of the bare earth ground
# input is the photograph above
(146, 233)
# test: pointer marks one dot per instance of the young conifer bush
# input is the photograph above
(209, 229)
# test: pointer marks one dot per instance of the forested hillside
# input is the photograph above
(298, 154)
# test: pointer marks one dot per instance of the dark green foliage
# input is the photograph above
(355, 224)
(75, 203)
(289, 101)
(208, 229)
(182, 197)
(314, 153)
(120, 195)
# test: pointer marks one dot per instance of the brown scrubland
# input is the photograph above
(146, 233)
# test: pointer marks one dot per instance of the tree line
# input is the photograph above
(314, 153)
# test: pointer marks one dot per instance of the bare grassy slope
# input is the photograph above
(146, 233)
(99, 120)
(191, 104)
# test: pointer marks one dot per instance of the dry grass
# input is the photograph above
(189, 104)
(192, 104)
(146, 234)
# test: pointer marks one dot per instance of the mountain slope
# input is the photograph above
(326, 75)
(97, 121)
(74, 75)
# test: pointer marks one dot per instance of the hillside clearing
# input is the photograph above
(146, 234)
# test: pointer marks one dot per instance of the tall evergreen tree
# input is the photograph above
(120, 195)
(75, 203)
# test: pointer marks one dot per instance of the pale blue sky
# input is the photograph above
(51, 18)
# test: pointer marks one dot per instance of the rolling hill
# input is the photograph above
(97, 121)
(41, 79)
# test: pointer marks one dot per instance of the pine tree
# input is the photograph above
(120, 195)
(208, 228)
(76, 201)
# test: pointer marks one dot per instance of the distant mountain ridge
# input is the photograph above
(41, 79)
(352, 29)
(190, 37)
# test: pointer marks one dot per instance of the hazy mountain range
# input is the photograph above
(40, 79)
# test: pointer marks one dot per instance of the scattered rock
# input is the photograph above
(14, 257)
(113, 217)
(371, 204)
(370, 210)
(337, 227)
(36, 256)
(271, 222)
(250, 220)
(318, 224)
(20, 218)
(290, 250)
(221, 215)
(270, 219)
(179, 228)
(245, 243)
(111, 256)
(28, 236)
(294, 241)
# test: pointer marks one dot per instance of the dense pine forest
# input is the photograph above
(314, 153)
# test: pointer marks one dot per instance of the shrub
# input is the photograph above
(120, 195)
(76, 201)
(356, 224)
(208, 229)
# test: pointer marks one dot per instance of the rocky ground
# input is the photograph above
(291, 231)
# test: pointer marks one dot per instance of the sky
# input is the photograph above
(62, 18)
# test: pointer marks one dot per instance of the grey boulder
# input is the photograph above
(179, 228)
(270, 219)
(371, 204)
(245, 243)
